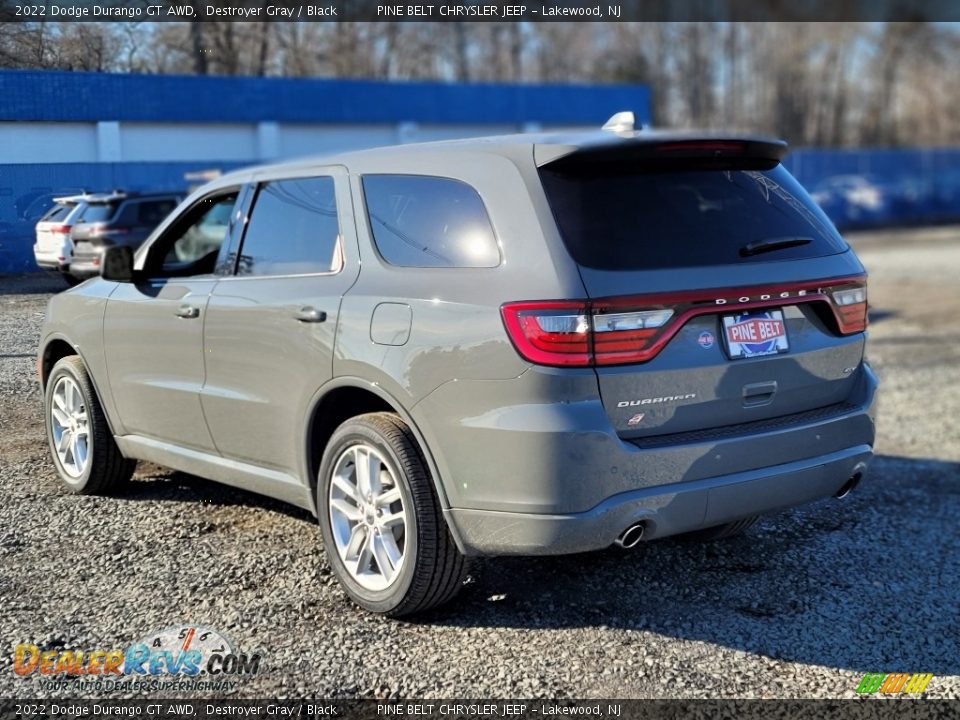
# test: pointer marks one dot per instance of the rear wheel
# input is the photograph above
(384, 533)
(721, 532)
(71, 280)
(81, 444)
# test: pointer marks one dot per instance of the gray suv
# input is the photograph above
(535, 344)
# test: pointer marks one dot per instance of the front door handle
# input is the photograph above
(310, 315)
(188, 311)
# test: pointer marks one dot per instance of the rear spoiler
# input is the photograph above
(646, 146)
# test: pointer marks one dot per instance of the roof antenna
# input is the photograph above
(621, 122)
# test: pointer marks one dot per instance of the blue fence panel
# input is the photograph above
(872, 188)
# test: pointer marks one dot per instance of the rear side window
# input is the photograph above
(634, 219)
(293, 229)
(420, 221)
(98, 212)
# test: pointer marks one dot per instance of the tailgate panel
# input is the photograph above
(692, 384)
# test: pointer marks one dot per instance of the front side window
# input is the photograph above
(293, 229)
(191, 245)
(420, 221)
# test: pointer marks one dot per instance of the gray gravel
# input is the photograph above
(801, 606)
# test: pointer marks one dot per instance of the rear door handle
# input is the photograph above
(309, 314)
(188, 311)
(760, 393)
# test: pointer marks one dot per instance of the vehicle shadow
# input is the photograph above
(159, 484)
(869, 583)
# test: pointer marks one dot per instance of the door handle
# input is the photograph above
(188, 311)
(309, 314)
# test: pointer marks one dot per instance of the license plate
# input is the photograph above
(755, 333)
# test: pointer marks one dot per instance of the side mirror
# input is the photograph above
(117, 263)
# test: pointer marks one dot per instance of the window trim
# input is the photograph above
(432, 176)
(252, 193)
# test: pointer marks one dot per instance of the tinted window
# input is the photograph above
(57, 212)
(98, 212)
(429, 222)
(152, 212)
(631, 219)
(293, 229)
(191, 245)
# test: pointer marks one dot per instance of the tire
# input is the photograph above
(721, 532)
(94, 466)
(71, 280)
(360, 526)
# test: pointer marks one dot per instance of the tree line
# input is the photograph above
(823, 84)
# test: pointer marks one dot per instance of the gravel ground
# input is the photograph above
(801, 606)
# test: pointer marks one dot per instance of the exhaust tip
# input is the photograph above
(849, 485)
(631, 536)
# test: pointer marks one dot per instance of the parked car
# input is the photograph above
(116, 218)
(534, 344)
(853, 200)
(53, 249)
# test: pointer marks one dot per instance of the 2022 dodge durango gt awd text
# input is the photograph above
(535, 344)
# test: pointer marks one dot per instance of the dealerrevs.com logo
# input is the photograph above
(893, 683)
(183, 657)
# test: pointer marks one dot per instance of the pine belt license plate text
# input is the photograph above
(756, 333)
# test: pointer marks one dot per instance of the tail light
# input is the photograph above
(850, 306)
(618, 331)
(60, 229)
(99, 231)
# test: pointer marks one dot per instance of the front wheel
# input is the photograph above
(382, 526)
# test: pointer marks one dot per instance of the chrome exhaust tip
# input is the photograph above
(631, 536)
(849, 485)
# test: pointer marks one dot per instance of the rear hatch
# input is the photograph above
(53, 229)
(719, 293)
(94, 225)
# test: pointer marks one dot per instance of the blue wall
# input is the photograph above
(32, 95)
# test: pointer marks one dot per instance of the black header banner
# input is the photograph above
(198, 709)
(477, 10)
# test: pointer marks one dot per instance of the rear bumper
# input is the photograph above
(50, 260)
(545, 479)
(664, 510)
(86, 264)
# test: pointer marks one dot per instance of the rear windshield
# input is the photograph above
(98, 212)
(57, 212)
(684, 216)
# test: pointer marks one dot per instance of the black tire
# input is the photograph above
(106, 468)
(722, 532)
(71, 280)
(433, 569)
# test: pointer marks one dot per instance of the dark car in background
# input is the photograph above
(116, 218)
